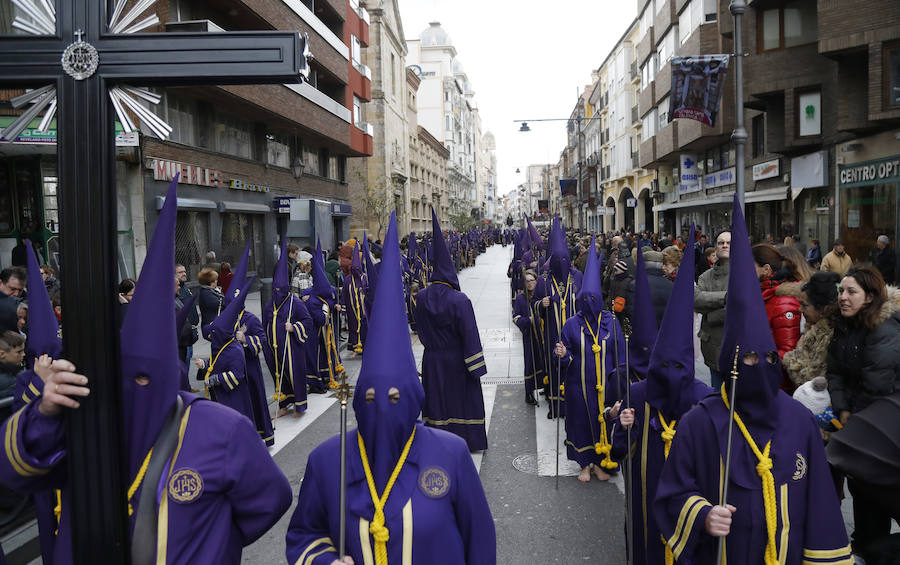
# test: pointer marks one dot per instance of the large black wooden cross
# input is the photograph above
(86, 155)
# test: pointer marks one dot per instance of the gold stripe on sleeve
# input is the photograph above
(827, 553)
(679, 525)
(474, 357)
(310, 547)
(688, 526)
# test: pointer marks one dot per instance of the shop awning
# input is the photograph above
(229, 206)
(717, 199)
(188, 203)
(767, 195)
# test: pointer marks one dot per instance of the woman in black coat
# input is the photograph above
(863, 364)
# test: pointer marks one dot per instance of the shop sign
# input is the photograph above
(766, 170)
(719, 178)
(190, 174)
(340, 209)
(282, 204)
(33, 136)
(869, 172)
(631, 202)
(689, 174)
(238, 184)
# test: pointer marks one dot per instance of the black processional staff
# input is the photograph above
(559, 385)
(629, 501)
(628, 448)
(727, 475)
(343, 395)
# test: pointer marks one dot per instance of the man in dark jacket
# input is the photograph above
(885, 261)
(184, 294)
(660, 284)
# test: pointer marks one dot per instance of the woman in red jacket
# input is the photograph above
(782, 308)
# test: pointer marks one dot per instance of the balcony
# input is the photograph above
(635, 117)
(635, 73)
(319, 27)
(647, 152)
(634, 161)
(646, 98)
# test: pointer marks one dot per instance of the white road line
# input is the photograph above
(288, 427)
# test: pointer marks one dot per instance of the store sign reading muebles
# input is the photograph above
(190, 174)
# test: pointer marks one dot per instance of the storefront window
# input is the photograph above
(867, 212)
(192, 240)
(237, 230)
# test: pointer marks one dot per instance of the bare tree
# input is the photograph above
(378, 201)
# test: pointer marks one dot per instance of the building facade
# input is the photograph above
(255, 162)
(380, 184)
(446, 109)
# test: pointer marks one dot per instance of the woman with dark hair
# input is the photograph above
(126, 293)
(782, 308)
(864, 355)
(523, 317)
(818, 304)
(863, 365)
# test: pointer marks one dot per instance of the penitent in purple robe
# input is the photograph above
(648, 453)
(436, 513)
(286, 355)
(254, 350)
(353, 302)
(229, 373)
(810, 527)
(221, 491)
(562, 294)
(582, 398)
(452, 365)
(531, 345)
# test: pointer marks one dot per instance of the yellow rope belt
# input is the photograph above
(279, 396)
(668, 434)
(379, 531)
(764, 470)
(357, 306)
(331, 347)
(213, 364)
(602, 447)
(138, 480)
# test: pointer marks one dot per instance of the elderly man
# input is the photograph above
(12, 284)
(837, 260)
(885, 260)
(709, 301)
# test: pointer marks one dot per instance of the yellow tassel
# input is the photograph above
(764, 470)
(546, 380)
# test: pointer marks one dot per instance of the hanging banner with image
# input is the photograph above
(697, 85)
(568, 186)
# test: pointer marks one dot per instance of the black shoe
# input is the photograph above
(529, 399)
(318, 390)
(549, 415)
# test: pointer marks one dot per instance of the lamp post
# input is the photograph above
(739, 135)
(580, 120)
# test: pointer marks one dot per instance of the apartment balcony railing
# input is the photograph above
(635, 118)
(634, 71)
(634, 160)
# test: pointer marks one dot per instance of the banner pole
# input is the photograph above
(739, 135)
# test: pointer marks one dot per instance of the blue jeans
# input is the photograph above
(189, 356)
(715, 379)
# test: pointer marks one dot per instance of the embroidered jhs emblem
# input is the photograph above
(434, 482)
(800, 467)
(185, 486)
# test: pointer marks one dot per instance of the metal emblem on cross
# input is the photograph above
(80, 59)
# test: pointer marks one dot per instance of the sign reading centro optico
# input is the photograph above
(869, 172)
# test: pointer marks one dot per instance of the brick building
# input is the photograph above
(244, 152)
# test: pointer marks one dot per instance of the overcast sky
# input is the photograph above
(525, 59)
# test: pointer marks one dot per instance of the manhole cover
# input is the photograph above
(526, 463)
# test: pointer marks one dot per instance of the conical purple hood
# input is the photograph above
(281, 281)
(590, 296)
(356, 261)
(385, 426)
(747, 327)
(181, 315)
(220, 330)
(410, 247)
(149, 342)
(371, 270)
(560, 260)
(239, 276)
(671, 372)
(321, 287)
(535, 236)
(43, 327)
(643, 321)
(441, 263)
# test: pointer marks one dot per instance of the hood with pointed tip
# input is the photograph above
(239, 275)
(149, 342)
(747, 327)
(281, 281)
(590, 296)
(43, 326)
(671, 372)
(442, 262)
(356, 262)
(386, 425)
(560, 261)
(220, 330)
(320, 287)
(643, 321)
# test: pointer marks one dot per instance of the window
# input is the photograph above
(393, 74)
(233, 136)
(647, 20)
(180, 113)
(278, 152)
(355, 49)
(892, 75)
(809, 113)
(648, 71)
(357, 111)
(666, 47)
(663, 110)
(789, 26)
(759, 135)
(650, 121)
(690, 19)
